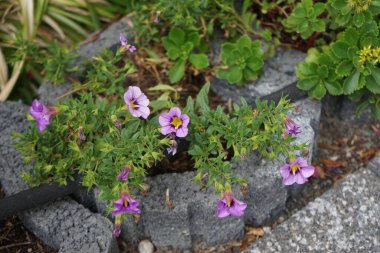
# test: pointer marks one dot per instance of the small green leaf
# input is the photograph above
(344, 68)
(307, 84)
(193, 37)
(173, 53)
(351, 83)
(255, 63)
(372, 85)
(200, 61)
(376, 75)
(177, 36)
(334, 88)
(340, 49)
(318, 91)
(162, 87)
(244, 41)
(359, 19)
(234, 75)
(202, 98)
(177, 71)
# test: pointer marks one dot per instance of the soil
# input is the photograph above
(15, 238)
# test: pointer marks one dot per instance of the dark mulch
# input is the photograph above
(15, 238)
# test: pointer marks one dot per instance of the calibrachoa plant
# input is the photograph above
(111, 137)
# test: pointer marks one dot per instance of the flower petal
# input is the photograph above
(142, 100)
(285, 171)
(300, 179)
(145, 111)
(185, 120)
(307, 171)
(135, 112)
(291, 179)
(222, 211)
(167, 130)
(182, 131)
(164, 119)
(175, 111)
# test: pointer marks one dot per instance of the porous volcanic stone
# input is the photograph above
(107, 39)
(345, 219)
(63, 224)
(70, 227)
(278, 78)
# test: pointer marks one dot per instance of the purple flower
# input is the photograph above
(41, 114)
(125, 44)
(292, 127)
(137, 102)
(117, 124)
(123, 175)
(229, 205)
(126, 205)
(173, 147)
(297, 172)
(117, 230)
(174, 122)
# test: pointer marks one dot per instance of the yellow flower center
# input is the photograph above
(133, 104)
(176, 122)
(295, 168)
(359, 5)
(368, 54)
(125, 202)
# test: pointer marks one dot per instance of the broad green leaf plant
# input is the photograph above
(349, 64)
(180, 47)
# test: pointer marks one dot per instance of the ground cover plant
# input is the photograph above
(111, 134)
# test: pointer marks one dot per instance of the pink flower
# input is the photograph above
(123, 175)
(126, 205)
(41, 114)
(229, 205)
(117, 230)
(174, 122)
(125, 44)
(296, 172)
(137, 102)
(292, 127)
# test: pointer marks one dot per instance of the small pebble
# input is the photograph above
(145, 246)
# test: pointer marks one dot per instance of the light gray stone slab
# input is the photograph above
(345, 219)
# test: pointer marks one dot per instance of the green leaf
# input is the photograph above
(227, 48)
(193, 37)
(372, 85)
(162, 87)
(338, 4)
(340, 49)
(173, 53)
(351, 83)
(344, 68)
(202, 98)
(334, 88)
(307, 84)
(318, 91)
(244, 41)
(255, 63)
(359, 19)
(319, 26)
(234, 75)
(319, 8)
(177, 71)
(177, 36)
(199, 61)
(376, 75)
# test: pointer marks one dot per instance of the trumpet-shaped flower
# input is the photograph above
(123, 175)
(292, 127)
(124, 43)
(41, 114)
(229, 205)
(137, 102)
(174, 122)
(126, 205)
(297, 171)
